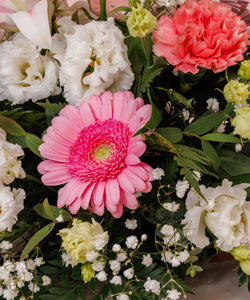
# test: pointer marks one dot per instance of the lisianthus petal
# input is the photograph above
(125, 183)
(137, 148)
(75, 206)
(132, 159)
(119, 210)
(86, 114)
(98, 193)
(138, 184)
(129, 200)
(112, 191)
(86, 196)
(56, 177)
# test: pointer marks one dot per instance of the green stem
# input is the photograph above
(103, 10)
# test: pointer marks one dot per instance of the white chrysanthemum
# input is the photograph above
(93, 58)
(10, 166)
(24, 73)
(225, 212)
(11, 203)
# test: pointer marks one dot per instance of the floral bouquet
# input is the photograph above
(124, 146)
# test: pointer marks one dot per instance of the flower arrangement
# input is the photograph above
(124, 145)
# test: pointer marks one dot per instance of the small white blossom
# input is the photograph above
(131, 224)
(33, 287)
(39, 261)
(152, 285)
(221, 128)
(158, 173)
(122, 256)
(122, 297)
(171, 206)
(65, 258)
(116, 280)
(97, 266)
(101, 276)
(138, 194)
(116, 248)
(31, 264)
(99, 244)
(5, 245)
(238, 147)
(59, 219)
(46, 280)
(186, 114)
(181, 188)
(115, 266)
(144, 237)
(131, 242)
(147, 260)
(213, 104)
(197, 175)
(129, 273)
(173, 294)
(91, 255)
(183, 256)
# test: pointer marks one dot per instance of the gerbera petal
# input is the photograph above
(119, 105)
(86, 196)
(72, 113)
(107, 110)
(56, 177)
(75, 206)
(64, 128)
(119, 210)
(99, 210)
(129, 200)
(125, 183)
(112, 191)
(144, 113)
(52, 153)
(127, 114)
(140, 171)
(110, 206)
(96, 106)
(149, 170)
(51, 134)
(137, 148)
(132, 159)
(98, 192)
(148, 187)
(138, 184)
(86, 114)
(50, 165)
(134, 124)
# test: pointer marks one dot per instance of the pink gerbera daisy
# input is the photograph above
(91, 148)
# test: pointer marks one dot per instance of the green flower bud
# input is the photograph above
(244, 70)
(141, 22)
(87, 272)
(242, 254)
(241, 122)
(235, 91)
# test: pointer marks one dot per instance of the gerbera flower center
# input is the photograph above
(100, 150)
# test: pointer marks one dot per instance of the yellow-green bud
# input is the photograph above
(235, 91)
(241, 122)
(243, 256)
(87, 272)
(141, 22)
(244, 70)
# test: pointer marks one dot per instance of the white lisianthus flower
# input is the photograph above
(225, 212)
(11, 203)
(24, 73)
(93, 58)
(10, 166)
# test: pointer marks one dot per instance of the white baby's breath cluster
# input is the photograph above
(14, 275)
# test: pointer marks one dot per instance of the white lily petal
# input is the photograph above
(34, 24)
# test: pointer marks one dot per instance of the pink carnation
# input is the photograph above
(205, 33)
(91, 148)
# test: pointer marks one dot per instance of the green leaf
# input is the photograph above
(220, 137)
(39, 209)
(33, 142)
(48, 210)
(80, 291)
(36, 239)
(172, 134)
(11, 126)
(203, 124)
(92, 285)
(155, 119)
(211, 153)
(105, 292)
(242, 279)
(143, 49)
(234, 163)
(20, 140)
(149, 75)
